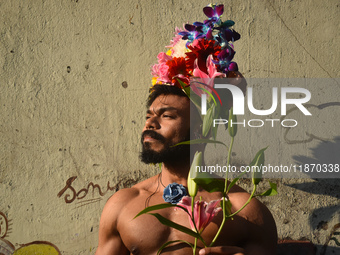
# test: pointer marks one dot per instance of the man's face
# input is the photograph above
(167, 123)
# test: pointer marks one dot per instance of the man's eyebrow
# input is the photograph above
(163, 109)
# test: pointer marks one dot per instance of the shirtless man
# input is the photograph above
(252, 231)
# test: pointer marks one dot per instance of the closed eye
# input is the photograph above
(168, 116)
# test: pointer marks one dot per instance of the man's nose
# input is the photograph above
(152, 123)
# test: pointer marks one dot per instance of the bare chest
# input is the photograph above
(145, 234)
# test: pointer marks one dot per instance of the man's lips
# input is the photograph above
(150, 139)
(152, 136)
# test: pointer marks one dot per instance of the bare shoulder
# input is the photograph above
(259, 222)
(113, 208)
(255, 211)
(121, 196)
(114, 214)
(124, 197)
(120, 204)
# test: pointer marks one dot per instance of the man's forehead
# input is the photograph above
(172, 102)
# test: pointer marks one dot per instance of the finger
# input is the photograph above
(222, 250)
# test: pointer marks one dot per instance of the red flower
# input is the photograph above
(178, 70)
(201, 49)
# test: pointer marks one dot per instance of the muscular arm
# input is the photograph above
(262, 239)
(258, 226)
(110, 242)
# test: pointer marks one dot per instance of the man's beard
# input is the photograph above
(169, 154)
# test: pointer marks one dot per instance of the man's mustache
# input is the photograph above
(153, 135)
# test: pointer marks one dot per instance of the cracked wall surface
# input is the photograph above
(74, 77)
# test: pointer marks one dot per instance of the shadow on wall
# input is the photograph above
(326, 156)
(289, 247)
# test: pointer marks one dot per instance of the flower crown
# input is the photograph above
(203, 50)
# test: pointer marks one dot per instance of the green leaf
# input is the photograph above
(214, 132)
(171, 242)
(158, 207)
(155, 207)
(196, 100)
(192, 185)
(207, 91)
(228, 23)
(255, 160)
(270, 192)
(224, 114)
(228, 207)
(258, 162)
(185, 87)
(234, 181)
(209, 183)
(192, 96)
(207, 120)
(232, 119)
(214, 129)
(174, 225)
(200, 141)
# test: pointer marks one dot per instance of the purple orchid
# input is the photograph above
(233, 66)
(224, 60)
(190, 34)
(214, 12)
(229, 35)
(204, 29)
(226, 35)
(227, 54)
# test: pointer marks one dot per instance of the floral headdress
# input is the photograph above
(203, 50)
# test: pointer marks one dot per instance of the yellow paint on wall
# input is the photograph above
(37, 249)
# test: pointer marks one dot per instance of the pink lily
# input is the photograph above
(208, 79)
(203, 212)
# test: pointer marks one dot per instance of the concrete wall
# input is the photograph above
(74, 76)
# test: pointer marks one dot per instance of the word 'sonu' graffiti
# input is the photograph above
(82, 193)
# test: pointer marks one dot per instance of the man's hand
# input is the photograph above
(222, 250)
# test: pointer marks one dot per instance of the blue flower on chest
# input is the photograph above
(174, 192)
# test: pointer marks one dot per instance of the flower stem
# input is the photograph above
(224, 208)
(192, 213)
(194, 249)
(251, 196)
(228, 162)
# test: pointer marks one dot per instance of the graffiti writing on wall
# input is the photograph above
(36, 247)
(71, 194)
(4, 225)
